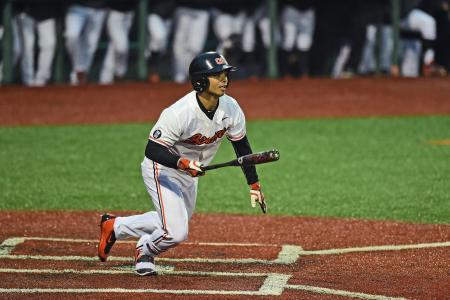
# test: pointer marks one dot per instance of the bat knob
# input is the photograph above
(274, 154)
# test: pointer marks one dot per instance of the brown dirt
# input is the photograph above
(412, 273)
(265, 99)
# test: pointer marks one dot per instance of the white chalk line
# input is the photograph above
(273, 285)
(375, 248)
(287, 255)
(138, 291)
(69, 240)
(162, 270)
(328, 291)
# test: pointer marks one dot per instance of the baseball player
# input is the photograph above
(159, 25)
(415, 17)
(190, 33)
(183, 140)
(38, 18)
(118, 24)
(17, 9)
(297, 23)
(84, 23)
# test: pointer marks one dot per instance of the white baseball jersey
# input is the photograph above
(188, 132)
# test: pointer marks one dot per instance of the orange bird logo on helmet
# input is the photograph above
(220, 61)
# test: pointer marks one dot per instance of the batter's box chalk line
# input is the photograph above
(288, 254)
(273, 285)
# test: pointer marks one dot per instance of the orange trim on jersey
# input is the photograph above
(160, 199)
(237, 138)
(162, 143)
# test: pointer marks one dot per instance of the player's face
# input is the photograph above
(218, 83)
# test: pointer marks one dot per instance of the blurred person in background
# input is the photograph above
(38, 18)
(297, 22)
(333, 23)
(256, 39)
(379, 43)
(159, 25)
(17, 46)
(418, 52)
(363, 14)
(84, 23)
(190, 34)
(2, 29)
(228, 19)
(439, 10)
(233, 27)
(118, 23)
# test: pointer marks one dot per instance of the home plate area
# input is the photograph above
(51, 266)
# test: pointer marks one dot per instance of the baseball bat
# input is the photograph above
(248, 160)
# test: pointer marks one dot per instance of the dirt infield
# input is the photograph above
(264, 99)
(52, 255)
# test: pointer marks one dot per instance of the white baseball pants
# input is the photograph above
(298, 28)
(83, 29)
(173, 195)
(46, 31)
(115, 63)
(191, 30)
(159, 32)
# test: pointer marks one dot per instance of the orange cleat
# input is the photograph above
(107, 236)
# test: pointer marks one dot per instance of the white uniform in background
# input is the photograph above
(186, 131)
(298, 28)
(115, 63)
(46, 32)
(369, 57)
(190, 33)
(226, 25)
(417, 20)
(159, 25)
(83, 28)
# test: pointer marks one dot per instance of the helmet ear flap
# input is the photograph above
(200, 83)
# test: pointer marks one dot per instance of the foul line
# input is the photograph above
(273, 285)
(327, 291)
(375, 248)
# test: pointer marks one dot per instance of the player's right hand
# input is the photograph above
(257, 196)
(192, 167)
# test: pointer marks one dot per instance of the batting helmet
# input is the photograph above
(204, 65)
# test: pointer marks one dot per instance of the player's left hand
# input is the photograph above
(257, 196)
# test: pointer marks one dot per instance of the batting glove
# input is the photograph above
(192, 167)
(257, 196)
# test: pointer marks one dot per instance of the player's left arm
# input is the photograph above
(242, 147)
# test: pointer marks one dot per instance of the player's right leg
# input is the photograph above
(114, 228)
(107, 236)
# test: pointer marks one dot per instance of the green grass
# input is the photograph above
(372, 168)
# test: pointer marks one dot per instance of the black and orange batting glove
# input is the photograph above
(256, 195)
(192, 167)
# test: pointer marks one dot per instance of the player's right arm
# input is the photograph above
(162, 155)
(163, 135)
